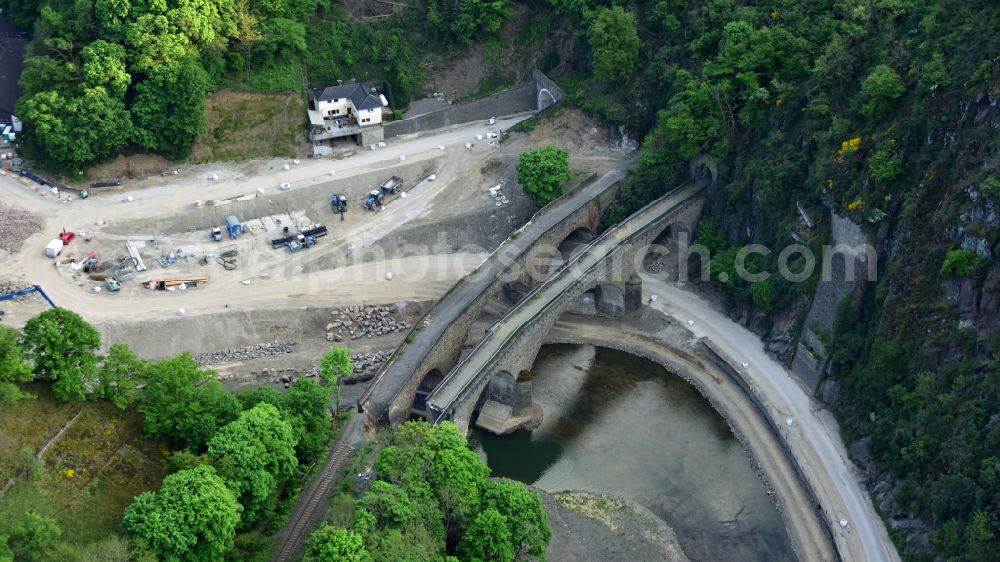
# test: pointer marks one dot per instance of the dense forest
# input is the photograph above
(883, 111)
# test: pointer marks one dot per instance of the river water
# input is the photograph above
(618, 423)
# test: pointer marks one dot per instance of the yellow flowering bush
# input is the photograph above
(854, 205)
(848, 147)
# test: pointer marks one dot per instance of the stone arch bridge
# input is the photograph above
(547, 267)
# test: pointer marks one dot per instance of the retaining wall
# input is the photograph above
(518, 100)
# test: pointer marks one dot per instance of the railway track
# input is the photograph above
(311, 507)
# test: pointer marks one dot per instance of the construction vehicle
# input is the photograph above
(375, 199)
(217, 234)
(300, 243)
(391, 185)
(26, 292)
(317, 231)
(339, 204)
(113, 284)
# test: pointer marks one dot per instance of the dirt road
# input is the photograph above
(414, 278)
(814, 437)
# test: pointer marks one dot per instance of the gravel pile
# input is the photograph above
(365, 366)
(356, 322)
(245, 353)
(12, 286)
(15, 227)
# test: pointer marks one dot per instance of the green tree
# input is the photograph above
(6, 554)
(62, 346)
(256, 454)
(185, 404)
(306, 406)
(461, 20)
(79, 129)
(119, 375)
(112, 16)
(332, 543)
(104, 65)
(487, 538)
(13, 369)
(881, 89)
(169, 108)
(336, 364)
(153, 42)
(526, 518)
(885, 167)
(34, 536)
(193, 516)
(43, 73)
(543, 172)
(615, 43)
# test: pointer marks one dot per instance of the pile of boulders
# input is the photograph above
(356, 322)
(245, 353)
(12, 286)
(365, 365)
(15, 227)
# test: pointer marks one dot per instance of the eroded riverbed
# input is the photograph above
(619, 423)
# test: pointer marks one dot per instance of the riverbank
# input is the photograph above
(662, 340)
(590, 526)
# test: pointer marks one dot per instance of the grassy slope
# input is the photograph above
(111, 462)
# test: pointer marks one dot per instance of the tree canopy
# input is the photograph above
(62, 347)
(615, 42)
(543, 172)
(13, 369)
(193, 516)
(430, 499)
(256, 453)
(185, 404)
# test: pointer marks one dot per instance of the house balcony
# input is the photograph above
(333, 130)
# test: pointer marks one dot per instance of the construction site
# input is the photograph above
(257, 267)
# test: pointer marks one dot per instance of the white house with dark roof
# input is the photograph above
(347, 110)
(359, 100)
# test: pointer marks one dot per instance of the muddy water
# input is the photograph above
(618, 423)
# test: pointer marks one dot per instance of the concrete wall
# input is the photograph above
(518, 100)
(808, 365)
(549, 93)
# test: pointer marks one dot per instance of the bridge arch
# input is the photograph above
(546, 99)
(574, 241)
(428, 383)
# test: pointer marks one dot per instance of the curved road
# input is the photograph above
(814, 437)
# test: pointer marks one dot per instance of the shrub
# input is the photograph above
(881, 89)
(959, 263)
